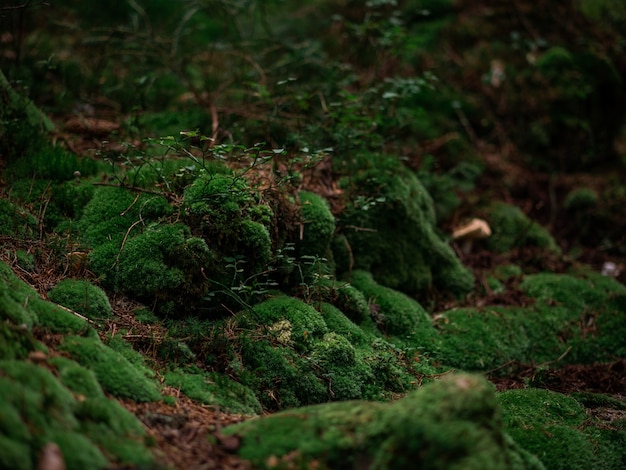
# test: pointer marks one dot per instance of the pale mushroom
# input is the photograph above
(475, 229)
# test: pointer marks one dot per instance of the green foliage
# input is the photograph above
(82, 297)
(77, 378)
(453, 423)
(390, 229)
(115, 374)
(511, 228)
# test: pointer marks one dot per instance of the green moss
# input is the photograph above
(117, 431)
(77, 378)
(352, 303)
(453, 423)
(115, 374)
(58, 320)
(319, 225)
(589, 299)
(556, 429)
(111, 212)
(25, 260)
(162, 265)
(15, 220)
(580, 199)
(395, 313)
(41, 401)
(14, 455)
(290, 321)
(339, 323)
(78, 451)
(82, 297)
(511, 229)
(215, 389)
(279, 376)
(390, 229)
(15, 342)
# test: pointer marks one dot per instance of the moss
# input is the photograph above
(117, 431)
(511, 228)
(279, 376)
(77, 378)
(352, 303)
(78, 451)
(42, 402)
(82, 297)
(390, 229)
(453, 423)
(346, 371)
(319, 225)
(112, 213)
(58, 320)
(14, 455)
(15, 220)
(118, 344)
(339, 323)
(115, 374)
(395, 313)
(215, 389)
(595, 306)
(15, 342)
(291, 318)
(556, 429)
(580, 199)
(162, 265)
(25, 260)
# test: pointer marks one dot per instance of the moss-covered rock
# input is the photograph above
(115, 374)
(556, 429)
(22, 305)
(390, 231)
(215, 389)
(453, 423)
(319, 225)
(582, 316)
(82, 297)
(395, 313)
(91, 431)
(511, 228)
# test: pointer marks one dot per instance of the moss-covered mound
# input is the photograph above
(580, 319)
(389, 228)
(453, 423)
(559, 431)
(82, 297)
(53, 399)
(511, 228)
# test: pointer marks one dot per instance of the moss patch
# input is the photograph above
(390, 229)
(116, 375)
(215, 389)
(82, 297)
(454, 423)
(557, 430)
